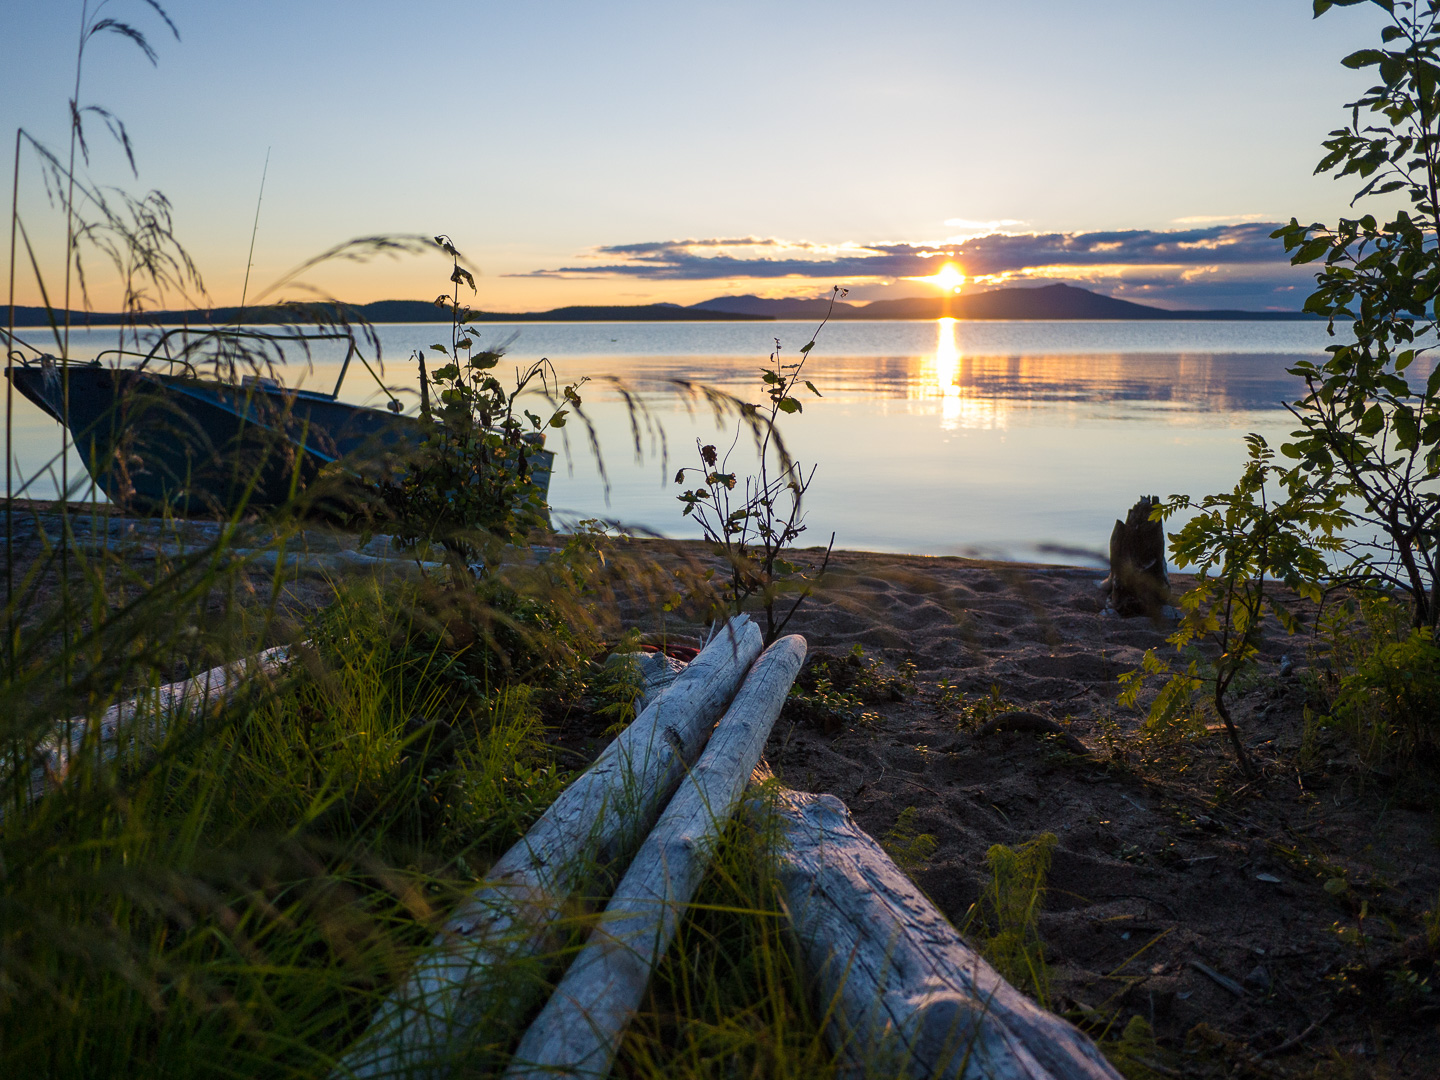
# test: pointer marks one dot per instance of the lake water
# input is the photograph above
(1005, 439)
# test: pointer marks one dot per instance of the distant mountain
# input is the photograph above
(1041, 302)
(758, 307)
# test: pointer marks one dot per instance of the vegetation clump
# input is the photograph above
(833, 692)
(472, 487)
(1003, 920)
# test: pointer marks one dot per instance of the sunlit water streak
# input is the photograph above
(932, 437)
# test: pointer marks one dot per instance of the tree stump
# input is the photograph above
(1138, 582)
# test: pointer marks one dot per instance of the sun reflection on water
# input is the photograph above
(960, 405)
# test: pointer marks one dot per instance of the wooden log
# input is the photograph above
(480, 956)
(578, 1032)
(147, 716)
(902, 990)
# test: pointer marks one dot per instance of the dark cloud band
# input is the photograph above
(997, 253)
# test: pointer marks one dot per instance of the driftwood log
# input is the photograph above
(903, 993)
(423, 1029)
(147, 717)
(1138, 582)
(578, 1032)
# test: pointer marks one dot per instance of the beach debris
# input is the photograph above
(148, 716)
(1033, 724)
(903, 993)
(579, 1030)
(1223, 981)
(422, 1029)
(1138, 581)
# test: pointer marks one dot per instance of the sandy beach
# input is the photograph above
(1170, 868)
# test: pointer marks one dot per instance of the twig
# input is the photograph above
(1290, 1044)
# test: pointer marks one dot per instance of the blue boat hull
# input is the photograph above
(195, 447)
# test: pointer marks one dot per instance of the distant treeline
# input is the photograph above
(1044, 302)
(382, 311)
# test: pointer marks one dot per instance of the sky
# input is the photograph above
(638, 152)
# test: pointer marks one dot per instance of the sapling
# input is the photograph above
(1241, 544)
(750, 521)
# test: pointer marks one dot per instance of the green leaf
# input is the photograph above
(788, 405)
(1372, 421)
(1363, 58)
(811, 387)
(440, 349)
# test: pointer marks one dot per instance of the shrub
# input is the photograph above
(471, 485)
(1388, 703)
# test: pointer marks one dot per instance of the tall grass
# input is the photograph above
(231, 900)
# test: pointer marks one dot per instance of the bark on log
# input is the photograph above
(425, 1028)
(902, 991)
(147, 716)
(578, 1032)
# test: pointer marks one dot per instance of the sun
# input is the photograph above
(948, 277)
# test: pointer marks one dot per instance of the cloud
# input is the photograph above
(989, 255)
(1229, 264)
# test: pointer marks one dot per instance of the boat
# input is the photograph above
(214, 433)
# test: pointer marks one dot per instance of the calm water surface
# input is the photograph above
(1000, 438)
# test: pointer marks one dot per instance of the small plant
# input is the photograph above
(1136, 1054)
(1004, 919)
(948, 695)
(751, 528)
(1238, 542)
(621, 684)
(971, 714)
(471, 487)
(911, 849)
(832, 691)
